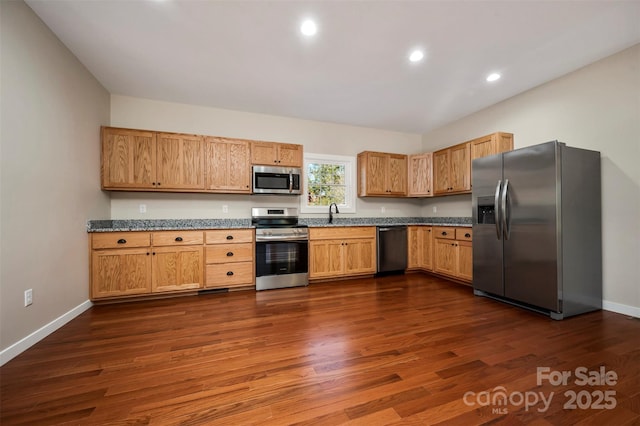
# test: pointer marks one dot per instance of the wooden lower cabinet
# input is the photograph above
(230, 258)
(337, 252)
(453, 252)
(176, 268)
(120, 272)
(420, 247)
(125, 264)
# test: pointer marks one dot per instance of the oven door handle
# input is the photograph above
(280, 238)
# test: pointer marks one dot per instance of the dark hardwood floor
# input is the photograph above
(409, 349)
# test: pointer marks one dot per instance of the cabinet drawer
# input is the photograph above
(176, 238)
(120, 240)
(224, 253)
(464, 234)
(342, 232)
(229, 236)
(229, 275)
(445, 232)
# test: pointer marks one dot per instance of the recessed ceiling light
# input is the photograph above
(309, 28)
(493, 77)
(416, 55)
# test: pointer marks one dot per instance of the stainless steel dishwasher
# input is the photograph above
(392, 248)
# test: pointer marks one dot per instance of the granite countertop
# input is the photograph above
(182, 224)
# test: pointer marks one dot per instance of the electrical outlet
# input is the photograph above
(143, 208)
(435, 209)
(225, 208)
(382, 209)
(28, 297)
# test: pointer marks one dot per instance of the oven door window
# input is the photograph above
(281, 257)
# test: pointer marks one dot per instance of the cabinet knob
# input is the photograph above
(122, 241)
(153, 183)
(153, 253)
(230, 273)
(229, 253)
(147, 253)
(467, 235)
(229, 237)
(158, 183)
(178, 239)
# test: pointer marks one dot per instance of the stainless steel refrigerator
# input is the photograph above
(537, 239)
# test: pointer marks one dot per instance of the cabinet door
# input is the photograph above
(426, 248)
(445, 256)
(465, 260)
(180, 161)
(483, 147)
(265, 153)
(227, 165)
(177, 268)
(420, 176)
(414, 248)
(441, 172)
(460, 168)
(375, 172)
(359, 256)
(128, 159)
(289, 155)
(325, 258)
(397, 174)
(120, 272)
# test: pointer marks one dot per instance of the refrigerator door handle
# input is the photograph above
(496, 210)
(505, 218)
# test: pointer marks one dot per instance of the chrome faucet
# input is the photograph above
(331, 212)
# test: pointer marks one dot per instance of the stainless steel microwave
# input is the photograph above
(277, 180)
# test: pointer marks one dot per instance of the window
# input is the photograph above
(328, 179)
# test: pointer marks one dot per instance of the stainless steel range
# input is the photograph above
(282, 248)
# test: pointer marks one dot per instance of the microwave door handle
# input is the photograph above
(290, 181)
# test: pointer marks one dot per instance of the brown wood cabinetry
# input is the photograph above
(452, 170)
(494, 143)
(180, 161)
(227, 165)
(230, 258)
(342, 252)
(128, 159)
(144, 160)
(142, 263)
(177, 261)
(420, 247)
(382, 174)
(453, 252)
(276, 154)
(420, 175)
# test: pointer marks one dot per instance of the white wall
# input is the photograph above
(598, 108)
(51, 111)
(317, 137)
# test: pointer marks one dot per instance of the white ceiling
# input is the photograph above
(250, 55)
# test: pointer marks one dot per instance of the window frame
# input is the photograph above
(350, 182)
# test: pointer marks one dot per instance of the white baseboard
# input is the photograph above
(619, 308)
(17, 348)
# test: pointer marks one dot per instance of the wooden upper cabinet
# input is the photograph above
(494, 143)
(276, 154)
(228, 165)
(452, 169)
(128, 159)
(420, 175)
(180, 160)
(382, 174)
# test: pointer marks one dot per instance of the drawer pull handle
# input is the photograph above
(229, 253)
(444, 233)
(230, 273)
(467, 235)
(122, 241)
(229, 237)
(178, 239)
